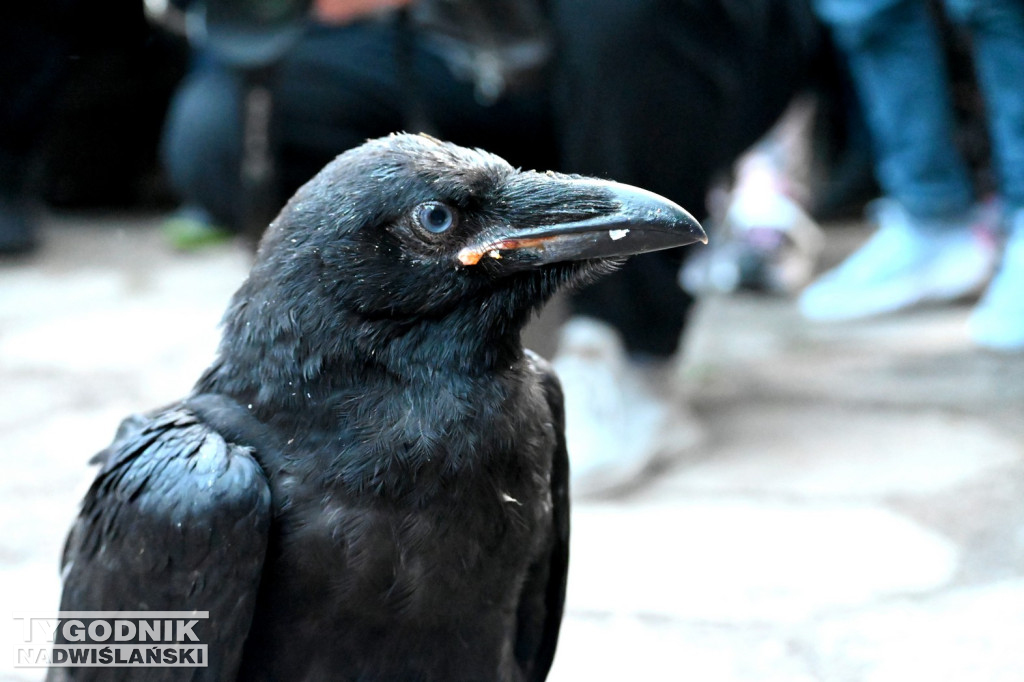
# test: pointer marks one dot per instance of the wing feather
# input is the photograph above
(177, 519)
(543, 602)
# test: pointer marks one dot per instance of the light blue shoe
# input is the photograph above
(905, 263)
(997, 322)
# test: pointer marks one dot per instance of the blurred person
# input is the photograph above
(360, 69)
(83, 90)
(928, 246)
(34, 45)
(658, 93)
(762, 237)
(664, 95)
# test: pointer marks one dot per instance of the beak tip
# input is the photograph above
(689, 224)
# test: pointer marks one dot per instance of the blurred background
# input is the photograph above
(845, 502)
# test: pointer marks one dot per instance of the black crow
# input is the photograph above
(371, 481)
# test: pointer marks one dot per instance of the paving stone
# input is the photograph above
(137, 336)
(30, 295)
(31, 587)
(963, 636)
(619, 647)
(793, 450)
(757, 347)
(743, 561)
(984, 517)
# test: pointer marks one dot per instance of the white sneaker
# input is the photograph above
(905, 263)
(997, 322)
(618, 428)
(762, 241)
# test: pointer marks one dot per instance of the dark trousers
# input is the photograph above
(32, 58)
(656, 93)
(665, 94)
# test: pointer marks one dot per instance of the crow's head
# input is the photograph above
(410, 249)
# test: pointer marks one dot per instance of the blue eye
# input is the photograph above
(435, 218)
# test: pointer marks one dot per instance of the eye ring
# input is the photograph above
(435, 217)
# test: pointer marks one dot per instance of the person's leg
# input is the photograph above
(997, 33)
(924, 249)
(32, 62)
(202, 142)
(897, 65)
(337, 87)
(663, 95)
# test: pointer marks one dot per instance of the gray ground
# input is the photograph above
(856, 514)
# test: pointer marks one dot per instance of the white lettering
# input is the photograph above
(76, 634)
(185, 630)
(124, 630)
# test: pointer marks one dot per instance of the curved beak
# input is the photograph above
(631, 221)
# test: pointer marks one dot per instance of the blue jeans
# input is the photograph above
(897, 65)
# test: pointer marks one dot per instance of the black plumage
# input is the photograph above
(371, 481)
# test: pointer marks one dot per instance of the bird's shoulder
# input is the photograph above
(177, 519)
(544, 374)
(544, 371)
(171, 487)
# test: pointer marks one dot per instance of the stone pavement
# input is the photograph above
(856, 514)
